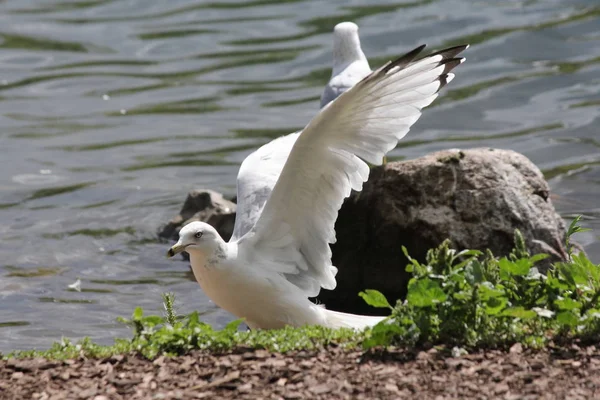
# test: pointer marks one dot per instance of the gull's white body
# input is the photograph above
(266, 301)
(279, 253)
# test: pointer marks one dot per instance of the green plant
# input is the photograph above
(172, 335)
(573, 229)
(470, 298)
(169, 305)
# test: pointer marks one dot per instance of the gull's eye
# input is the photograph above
(198, 235)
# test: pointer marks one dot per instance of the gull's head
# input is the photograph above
(346, 45)
(196, 236)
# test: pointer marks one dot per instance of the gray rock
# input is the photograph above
(476, 198)
(203, 205)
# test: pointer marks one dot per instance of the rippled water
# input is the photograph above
(112, 110)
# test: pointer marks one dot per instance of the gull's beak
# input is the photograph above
(177, 248)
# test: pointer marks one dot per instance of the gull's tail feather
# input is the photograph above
(336, 319)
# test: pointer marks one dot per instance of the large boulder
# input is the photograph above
(476, 198)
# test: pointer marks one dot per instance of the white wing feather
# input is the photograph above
(293, 233)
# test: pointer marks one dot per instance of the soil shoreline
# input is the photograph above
(333, 373)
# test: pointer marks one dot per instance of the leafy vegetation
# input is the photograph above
(470, 298)
(154, 335)
(467, 298)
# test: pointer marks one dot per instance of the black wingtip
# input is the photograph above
(448, 56)
(443, 81)
(451, 52)
(451, 63)
(448, 60)
(404, 60)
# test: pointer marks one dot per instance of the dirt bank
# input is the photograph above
(564, 372)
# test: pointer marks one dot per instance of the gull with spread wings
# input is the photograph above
(279, 253)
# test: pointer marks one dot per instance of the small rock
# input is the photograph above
(160, 361)
(17, 375)
(294, 395)
(117, 358)
(226, 379)
(281, 382)
(245, 388)
(516, 348)
(88, 393)
(43, 365)
(322, 388)
(261, 354)
(390, 387)
(458, 351)
(501, 388)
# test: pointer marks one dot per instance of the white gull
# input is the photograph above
(279, 254)
(349, 62)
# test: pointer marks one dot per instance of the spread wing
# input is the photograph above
(294, 230)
